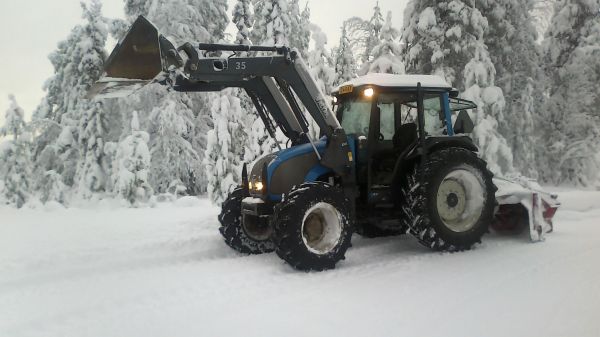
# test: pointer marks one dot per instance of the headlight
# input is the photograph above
(250, 185)
(258, 186)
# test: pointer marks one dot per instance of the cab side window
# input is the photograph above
(434, 115)
(386, 121)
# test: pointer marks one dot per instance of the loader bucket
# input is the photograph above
(137, 60)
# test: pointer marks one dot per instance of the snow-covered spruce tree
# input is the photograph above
(345, 63)
(440, 37)
(54, 118)
(359, 33)
(299, 28)
(446, 38)
(570, 116)
(63, 117)
(185, 115)
(541, 14)
(254, 140)
(387, 54)
(479, 77)
(321, 69)
(242, 18)
(183, 20)
(173, 157)
(272, 22)
(272, 26)
(224, 151)
(91, 176)
(134, 8)
(15, 157)
(132, 165)
(511, 42)
(375, 25)
(320, 62)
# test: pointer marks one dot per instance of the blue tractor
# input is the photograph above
(391, 156)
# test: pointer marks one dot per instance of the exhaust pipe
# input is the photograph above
(137, 60)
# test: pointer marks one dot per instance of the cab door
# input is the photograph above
(385, 120)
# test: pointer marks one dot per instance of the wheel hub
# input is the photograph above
(255, 229)
(460, 200)
(452, 200)
(314, 228)
(321, 228)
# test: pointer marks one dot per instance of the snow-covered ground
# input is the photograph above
(165, 272)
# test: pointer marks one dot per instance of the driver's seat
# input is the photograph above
(385, 164)
(405, 135)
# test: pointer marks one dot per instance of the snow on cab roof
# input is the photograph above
(392, 80)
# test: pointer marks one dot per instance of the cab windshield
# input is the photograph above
(354, 115)
(395, 109)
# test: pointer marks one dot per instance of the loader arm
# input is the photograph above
(284, 76)
(144, 56)
(275, 82)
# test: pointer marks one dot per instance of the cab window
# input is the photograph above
(355, 114)
(434, 115)
(386, 120)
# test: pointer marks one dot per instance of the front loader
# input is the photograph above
(394, 157)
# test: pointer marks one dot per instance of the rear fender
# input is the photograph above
(438, 143)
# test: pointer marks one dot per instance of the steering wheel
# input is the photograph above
(380, 137)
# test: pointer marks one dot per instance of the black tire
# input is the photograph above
(290, 233)
(232, 230)
(421, 207)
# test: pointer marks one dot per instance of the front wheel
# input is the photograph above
(244, 239)
(313, 227)
(450, 200)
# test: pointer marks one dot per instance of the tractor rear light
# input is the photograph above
(369, 92)
(549, 211)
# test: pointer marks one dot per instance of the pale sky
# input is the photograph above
(31, 29)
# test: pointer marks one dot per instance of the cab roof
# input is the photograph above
(397, 81)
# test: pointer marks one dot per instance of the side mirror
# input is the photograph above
(463, 123)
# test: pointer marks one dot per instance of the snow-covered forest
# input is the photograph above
(533, 68)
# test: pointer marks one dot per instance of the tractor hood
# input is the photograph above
(280, 171)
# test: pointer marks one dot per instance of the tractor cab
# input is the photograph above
(383, 108)
(380, 114)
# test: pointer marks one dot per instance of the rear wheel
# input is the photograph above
(450, 200)
(245, 239)
(313, 227)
